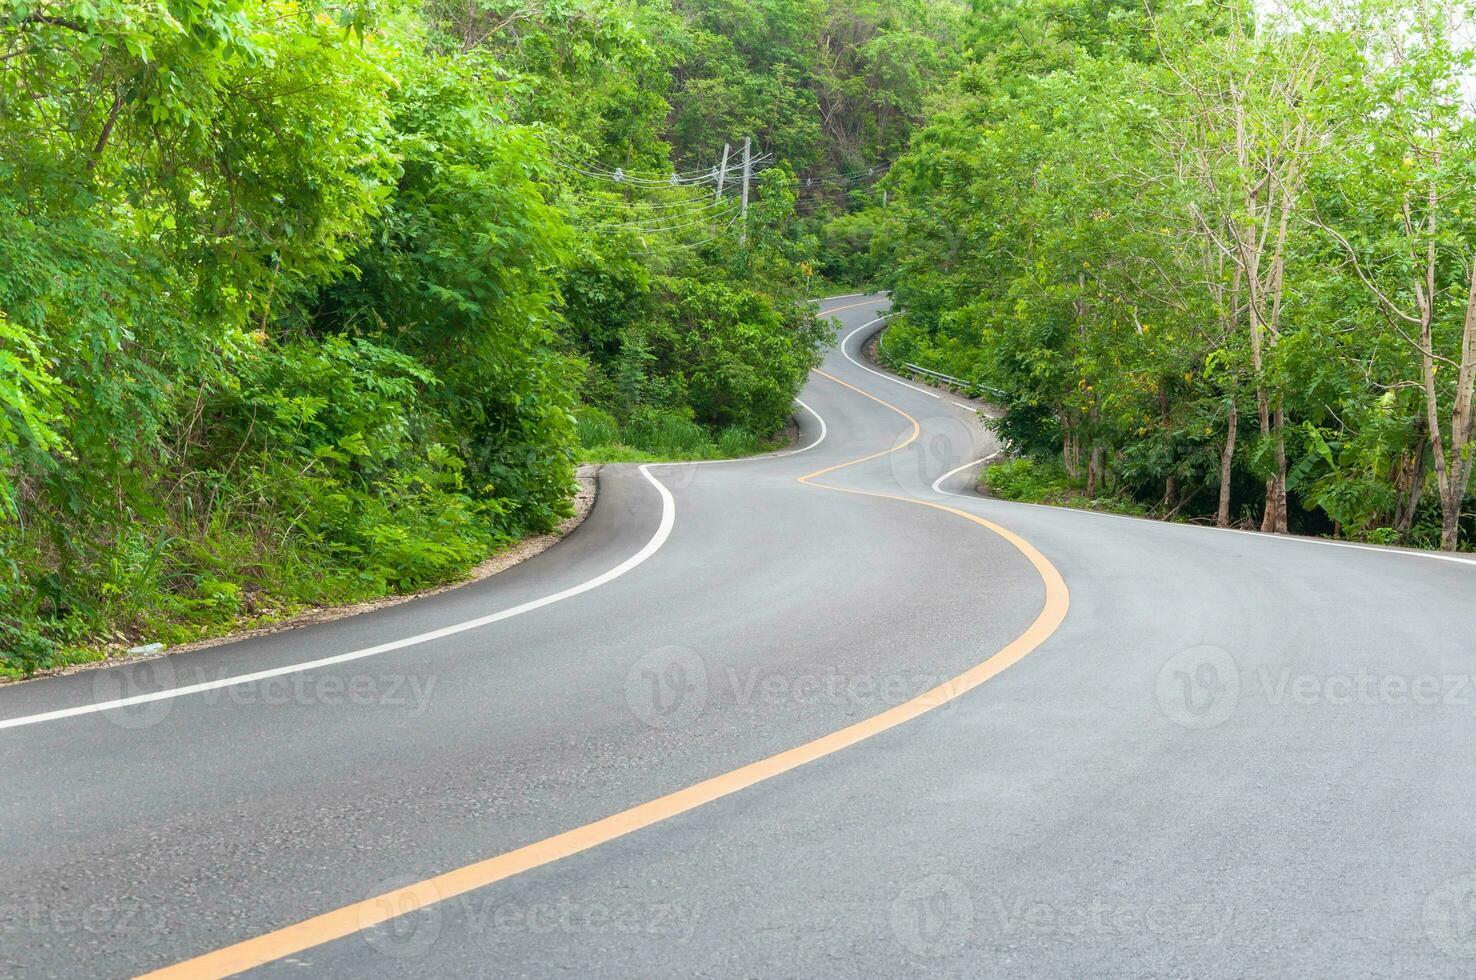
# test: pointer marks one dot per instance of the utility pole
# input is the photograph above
(747, 173)
(722, 174)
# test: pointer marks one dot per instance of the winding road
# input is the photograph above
(820, 713)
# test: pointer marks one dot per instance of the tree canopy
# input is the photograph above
(309, 301)
(1218, 258)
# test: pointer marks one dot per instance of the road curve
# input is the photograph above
(1231, 755)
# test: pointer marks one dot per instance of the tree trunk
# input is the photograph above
(1070, 448)
(1170, 485)
(1462, 427)
(1450, 519)
(1227, 456)
(1094, 457)
(1263, 414)
(1270, 517)
(1452, 473)
(1274, 519)
(1412, 478)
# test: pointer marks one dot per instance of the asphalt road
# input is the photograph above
(1235, 756)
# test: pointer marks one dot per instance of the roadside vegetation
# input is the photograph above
(1219, 258)
(310, 302)
(1034, 481)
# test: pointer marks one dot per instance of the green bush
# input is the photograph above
(846, 248)
(296, 306)
(595, 427)
(1034, 481)
(1028, 481)
(737, 441)
(654, 434)
(666, 433)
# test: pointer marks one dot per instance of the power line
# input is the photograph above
(703, 222)
(660, 205)
(618, 175)
(664, 218)
(697, 244)
(724, 206)
(661, 177)
(857, 177)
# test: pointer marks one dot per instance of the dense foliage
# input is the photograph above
(310, 301)
(1220, 259)
(315, 300)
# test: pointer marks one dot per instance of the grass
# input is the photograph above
(1033, 482)
(657, 436)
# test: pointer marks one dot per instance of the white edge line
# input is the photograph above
(1293, 538)
(847, 354)
(753, 459)
(930, 394)
(824, 430)
(663, 531)
(937, 484)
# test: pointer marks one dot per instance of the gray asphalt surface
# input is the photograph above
(1237, 757)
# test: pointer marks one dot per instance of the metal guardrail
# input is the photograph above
(948, 379)
(951, 380)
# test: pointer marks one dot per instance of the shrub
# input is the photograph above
(666, 433)
(738, 441)
(1027, 480)
(595, 427)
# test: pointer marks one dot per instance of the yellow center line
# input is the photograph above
(370, 912)
(851, 306)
